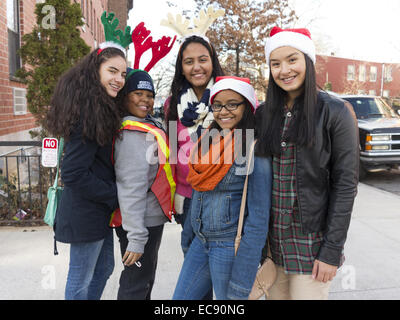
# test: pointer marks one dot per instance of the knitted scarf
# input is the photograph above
(195, 114)
(208, 167)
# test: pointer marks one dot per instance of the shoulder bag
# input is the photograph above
(54, 192)
(266, 274)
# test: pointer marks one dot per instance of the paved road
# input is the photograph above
(386, 180)
(29, 270)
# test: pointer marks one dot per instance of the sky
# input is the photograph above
(356, 29)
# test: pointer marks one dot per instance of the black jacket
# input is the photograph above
(90, 192)
(327, 176)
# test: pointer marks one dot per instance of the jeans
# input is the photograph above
(90, 266)
(187, 236)
(206, 265)
(137, 283)
(187, 233)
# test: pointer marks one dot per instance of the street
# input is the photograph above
(385, 180)
(30, 271)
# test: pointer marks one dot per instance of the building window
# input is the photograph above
(87, 13)
(14, 61)
(90, 17)
(19, 97)
(387, 75)
(94, 27)
(386, 93)
(372, 93)
(363, 73)
(373, 74)
(351, 71)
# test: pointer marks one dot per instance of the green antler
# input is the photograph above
(112, 33)
(124, 38)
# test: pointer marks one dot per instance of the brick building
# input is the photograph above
(358, 77)
(16, 19)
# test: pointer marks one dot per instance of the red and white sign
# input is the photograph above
(49, 152)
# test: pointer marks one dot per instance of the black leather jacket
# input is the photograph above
(327, 176)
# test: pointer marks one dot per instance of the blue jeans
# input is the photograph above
(90, 266)
(206, 265)
(187, 233)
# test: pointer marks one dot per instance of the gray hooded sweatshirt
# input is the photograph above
(136, 166)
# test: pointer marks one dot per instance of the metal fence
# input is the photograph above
(23, 184)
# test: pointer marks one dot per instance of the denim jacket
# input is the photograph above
(215, 216)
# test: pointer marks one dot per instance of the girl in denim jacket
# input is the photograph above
(217, 172)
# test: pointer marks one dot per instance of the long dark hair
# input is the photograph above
(270, 116)
(80, 99)
(179, 79)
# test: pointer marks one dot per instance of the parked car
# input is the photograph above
(379, 129)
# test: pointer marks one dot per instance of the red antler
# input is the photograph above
(140, 42)
(159, 49)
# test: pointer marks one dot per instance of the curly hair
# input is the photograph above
(80, 99)
(179, 78)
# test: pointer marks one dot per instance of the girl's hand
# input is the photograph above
(130, 258)
(323, 272)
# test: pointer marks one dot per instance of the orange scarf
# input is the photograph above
(208, 167)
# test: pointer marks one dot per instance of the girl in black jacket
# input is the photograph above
(83, 111)
(313, 140)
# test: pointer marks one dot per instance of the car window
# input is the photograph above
(368, 107)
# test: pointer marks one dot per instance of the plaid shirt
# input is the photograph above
(290, 248)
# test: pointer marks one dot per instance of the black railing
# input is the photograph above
(23, 184)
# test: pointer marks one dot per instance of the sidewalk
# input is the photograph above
(30, 271)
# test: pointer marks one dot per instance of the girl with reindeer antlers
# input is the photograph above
(144, 175)
(187, 109)
(83, 111)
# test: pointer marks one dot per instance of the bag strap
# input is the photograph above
(60, 150)
(244, 197)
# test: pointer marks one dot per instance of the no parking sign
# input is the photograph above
(49, 152)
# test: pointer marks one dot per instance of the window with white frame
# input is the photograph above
(387, 75)
(351, 72)
(373, 74)
(362, 73)
(386, 93)
(19, 98)
(372, 92)
(14, 61)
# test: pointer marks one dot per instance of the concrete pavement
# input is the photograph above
(30, 271)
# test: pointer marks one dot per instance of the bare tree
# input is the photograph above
(162, 76)
(239, 36)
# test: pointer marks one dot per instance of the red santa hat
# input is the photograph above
(299, 39)
(239, 85)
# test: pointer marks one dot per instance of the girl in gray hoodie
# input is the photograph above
(136, 166)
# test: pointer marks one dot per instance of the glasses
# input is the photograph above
(229, 106)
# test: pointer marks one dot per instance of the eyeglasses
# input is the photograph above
(229, 106)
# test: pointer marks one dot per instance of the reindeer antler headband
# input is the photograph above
(142, 42)
(201, 24)
(115, 38)
(140, 38)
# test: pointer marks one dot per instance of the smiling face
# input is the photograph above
(139, 103)
(228, 119)
(288, 69)
(197, 66)
(112, 75)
